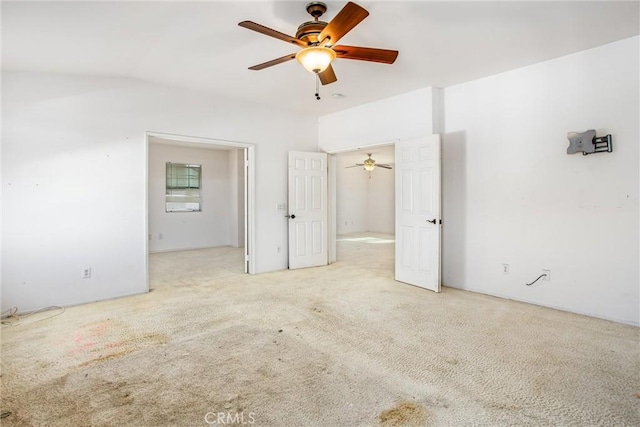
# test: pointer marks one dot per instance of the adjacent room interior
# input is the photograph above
(118, 312)
(365, 207)
(207, 233)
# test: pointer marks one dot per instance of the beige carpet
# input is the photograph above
(343, 345)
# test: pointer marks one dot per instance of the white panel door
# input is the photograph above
(418, 212)
(307, 209)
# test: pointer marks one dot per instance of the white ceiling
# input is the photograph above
(199, 45)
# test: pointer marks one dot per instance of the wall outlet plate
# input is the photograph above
(505, 268)
(86, 273)
(548, 275)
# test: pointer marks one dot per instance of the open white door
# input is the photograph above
(307, 209)
(418, 212)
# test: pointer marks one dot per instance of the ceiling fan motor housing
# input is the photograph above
(309, 31)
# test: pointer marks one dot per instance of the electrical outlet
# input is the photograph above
(86, 273)
(278, 249)
(505, 268)
(548, 275)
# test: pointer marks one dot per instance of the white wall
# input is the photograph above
(211, 227)
(73, 173)
(352, 198)
(512, 195)
(381, 201)
(405, 116)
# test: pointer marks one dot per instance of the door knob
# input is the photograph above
(432, 221)
(290, 216)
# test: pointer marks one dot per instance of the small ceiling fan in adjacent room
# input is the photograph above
(370, 164)
(318, 42)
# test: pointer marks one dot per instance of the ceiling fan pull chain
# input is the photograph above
(318, 87)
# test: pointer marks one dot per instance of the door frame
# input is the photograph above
(332, 195)
(249, 194)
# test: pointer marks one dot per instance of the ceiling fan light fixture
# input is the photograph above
(316, 59)
(369, 164)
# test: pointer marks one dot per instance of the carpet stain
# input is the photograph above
(150, 338)
(107, 357)
(127, 346)
(404, 414)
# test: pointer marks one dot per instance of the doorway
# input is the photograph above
(417, 218)
(220, 226)
(364, 201)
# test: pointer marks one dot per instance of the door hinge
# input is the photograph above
(440, 222)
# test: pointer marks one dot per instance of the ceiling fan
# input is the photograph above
(370, 164)
(318, 41)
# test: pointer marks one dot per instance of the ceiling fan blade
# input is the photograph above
(383, 56)
(270, 32)
(328, 76)
(273, 62)
(383, 166)
(350, 16)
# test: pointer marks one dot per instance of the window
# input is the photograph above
(183, 187)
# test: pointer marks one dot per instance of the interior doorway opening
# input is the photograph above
(363, 211)
(214, 239)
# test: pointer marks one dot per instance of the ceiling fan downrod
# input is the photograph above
(317, 87)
